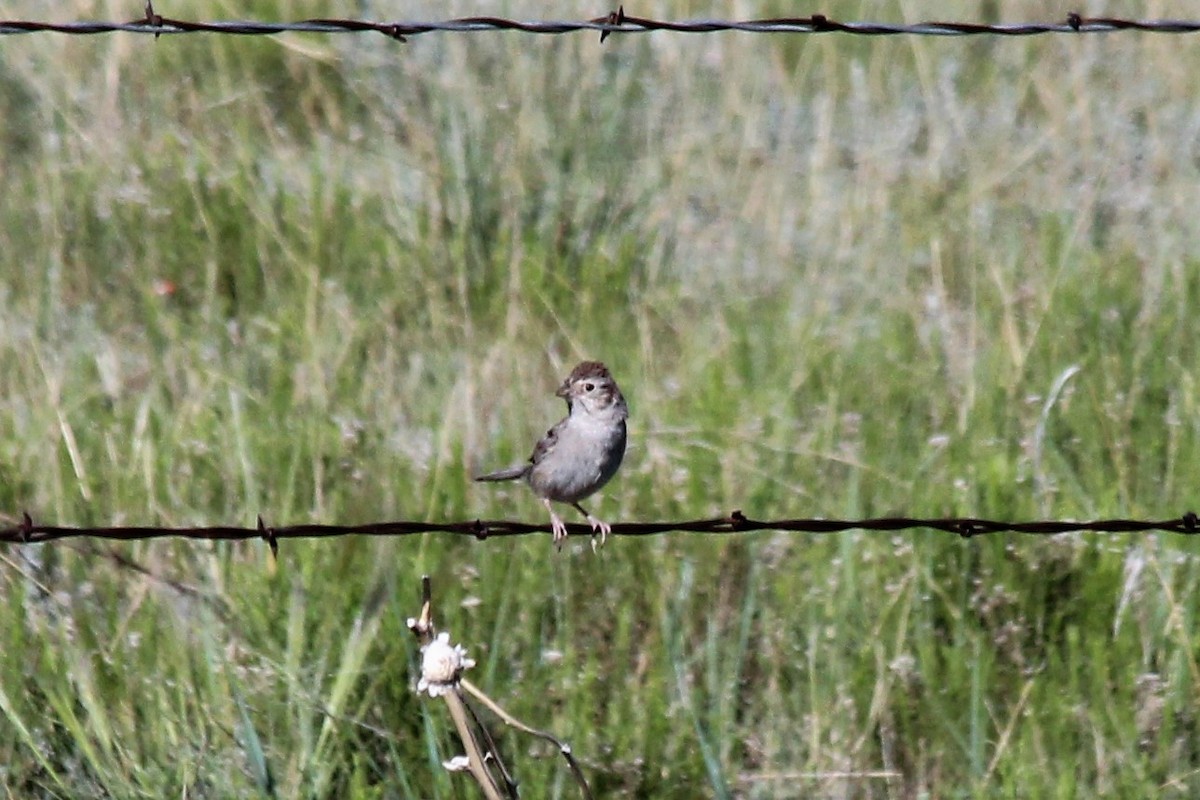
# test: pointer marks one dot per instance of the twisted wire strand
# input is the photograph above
(736, 523)
(616, 22)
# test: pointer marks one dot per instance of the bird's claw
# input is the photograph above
(559, 531)
(601, 527)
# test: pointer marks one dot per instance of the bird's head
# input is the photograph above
(591, 387)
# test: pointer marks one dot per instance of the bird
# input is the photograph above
(581, 453)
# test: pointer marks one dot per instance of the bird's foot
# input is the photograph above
(559, 534)
(601, 527)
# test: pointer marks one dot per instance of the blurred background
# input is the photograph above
(330, 278)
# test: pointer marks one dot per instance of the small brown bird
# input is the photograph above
(582, 452)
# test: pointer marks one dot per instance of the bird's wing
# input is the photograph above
(545, 445)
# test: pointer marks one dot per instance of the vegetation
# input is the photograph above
(328, 279)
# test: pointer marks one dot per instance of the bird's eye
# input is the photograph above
(587, 387)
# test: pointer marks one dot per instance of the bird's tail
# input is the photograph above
(510, 474)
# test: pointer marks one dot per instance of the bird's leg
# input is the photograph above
(598, 526)
(558, 527)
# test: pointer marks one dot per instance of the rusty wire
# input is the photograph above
(736, 523)
(613, 23)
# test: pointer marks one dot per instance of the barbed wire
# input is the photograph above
(736, 523)
(615, 22)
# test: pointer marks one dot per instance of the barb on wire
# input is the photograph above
(614, 22)
(736, 523)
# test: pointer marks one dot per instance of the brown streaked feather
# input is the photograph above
(546, 444)
(588, 369)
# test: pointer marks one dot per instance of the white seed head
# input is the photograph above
(457, 764)
(441, 665)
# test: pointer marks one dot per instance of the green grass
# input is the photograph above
(330, 278)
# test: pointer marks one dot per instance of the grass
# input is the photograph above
(329, 278)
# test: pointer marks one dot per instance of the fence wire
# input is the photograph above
(736, 523)
(616, 22)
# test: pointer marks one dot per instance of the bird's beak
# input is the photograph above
(564, 391)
